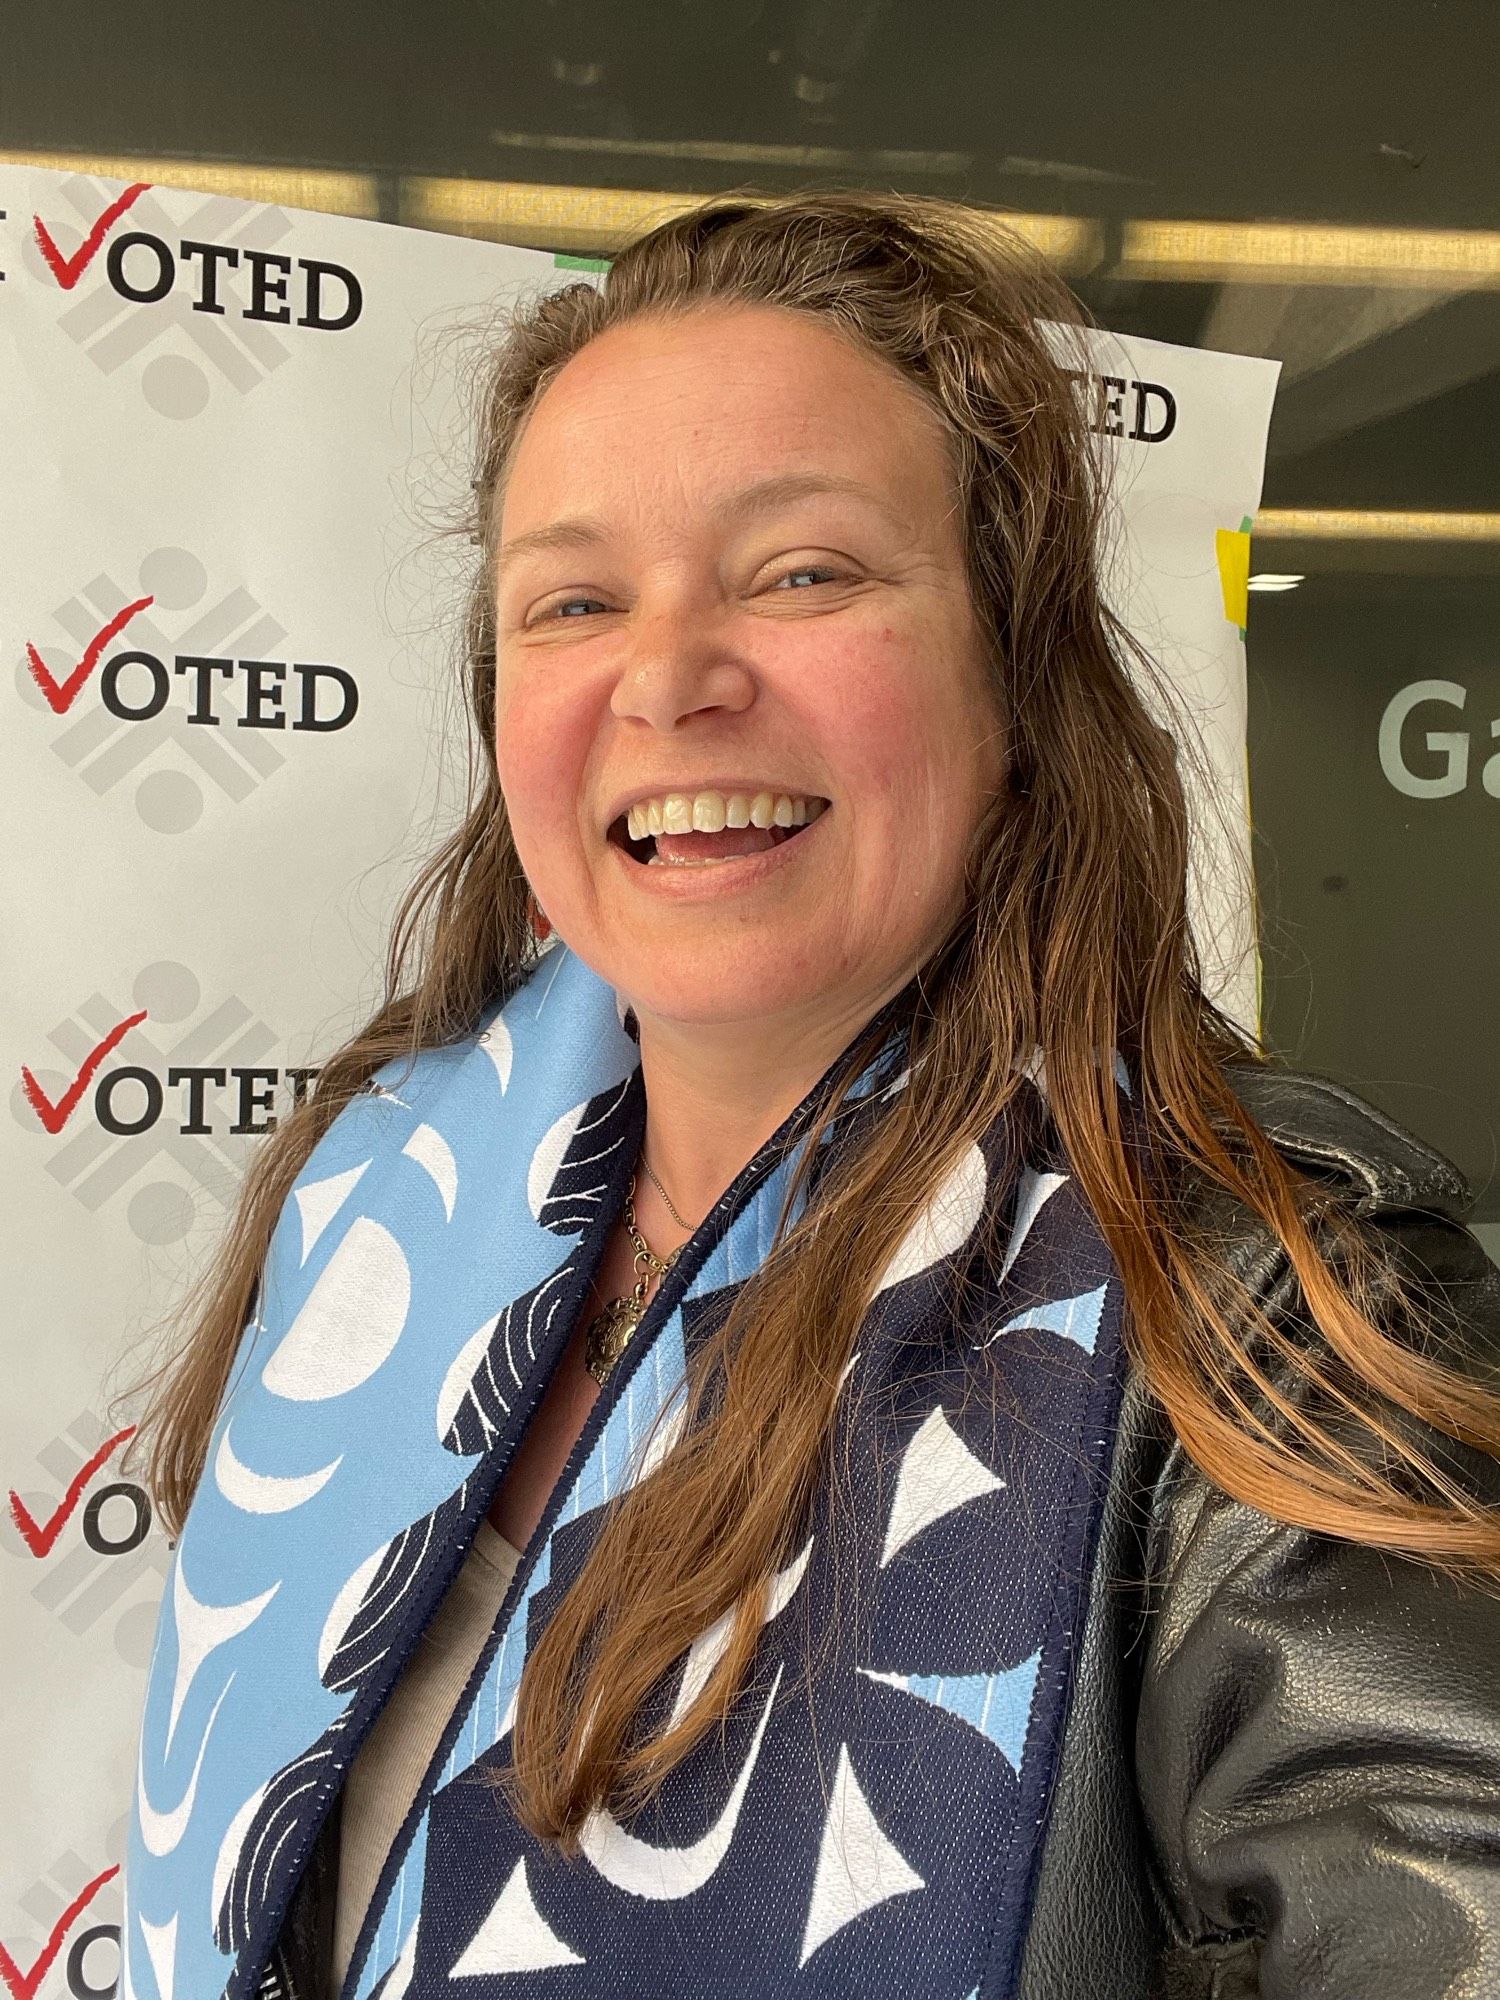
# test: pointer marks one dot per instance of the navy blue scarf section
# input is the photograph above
(872, 1819)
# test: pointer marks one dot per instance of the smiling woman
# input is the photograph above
(767, 600)
(902, 1455)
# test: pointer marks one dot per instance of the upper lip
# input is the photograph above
(727, 787)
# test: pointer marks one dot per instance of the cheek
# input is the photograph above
(857, 695)
(895, 719)
(540, 744)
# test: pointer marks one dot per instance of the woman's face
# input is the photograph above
(731, 566)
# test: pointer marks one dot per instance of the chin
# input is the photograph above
(689, 1004)
(715, 1000)
(747, 975)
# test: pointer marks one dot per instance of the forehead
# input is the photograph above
(716, 398)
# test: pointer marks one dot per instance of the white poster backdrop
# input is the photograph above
(229, 646)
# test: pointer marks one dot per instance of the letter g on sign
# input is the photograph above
(1453, 744)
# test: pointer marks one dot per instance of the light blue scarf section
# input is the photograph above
(411, 1228)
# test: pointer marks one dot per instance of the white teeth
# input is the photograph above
(711, 812)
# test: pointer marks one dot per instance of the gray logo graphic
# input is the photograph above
(88, 1954)
(183, 352)
(107, 750)
(110, 1561)
(98, 1166)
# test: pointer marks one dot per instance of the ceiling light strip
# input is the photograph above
(536, 214)
(1375, 524)
(555, 217)
(325, 191)
(1309, 254)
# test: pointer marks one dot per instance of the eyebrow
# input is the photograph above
(587, 531)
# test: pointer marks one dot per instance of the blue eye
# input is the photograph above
(565, 608)
(819, 570)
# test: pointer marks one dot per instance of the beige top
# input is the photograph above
(393, 1758)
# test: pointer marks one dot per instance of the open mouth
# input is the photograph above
(698, 849)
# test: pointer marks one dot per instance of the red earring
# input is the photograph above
(540, 927)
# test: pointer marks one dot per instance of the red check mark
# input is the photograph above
(68, 270)
(40, 1535)
(62, 694)
(24, 1985)
(55, 1116)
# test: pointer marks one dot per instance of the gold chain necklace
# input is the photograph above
(681, 1224)
(612, 1329)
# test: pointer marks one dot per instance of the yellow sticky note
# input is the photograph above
(1232, 546)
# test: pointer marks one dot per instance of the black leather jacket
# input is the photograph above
(1281, 1771)
(1281, 1775)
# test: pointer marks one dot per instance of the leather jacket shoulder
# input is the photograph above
(1281, 1775)
(1322, 1124)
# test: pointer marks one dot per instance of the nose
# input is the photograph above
(679, 662)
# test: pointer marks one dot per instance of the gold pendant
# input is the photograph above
(609, 1335)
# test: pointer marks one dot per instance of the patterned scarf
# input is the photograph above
(872, 1817)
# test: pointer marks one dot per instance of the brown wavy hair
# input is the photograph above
(1073, 938)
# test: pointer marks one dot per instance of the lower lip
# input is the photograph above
(686, 882)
